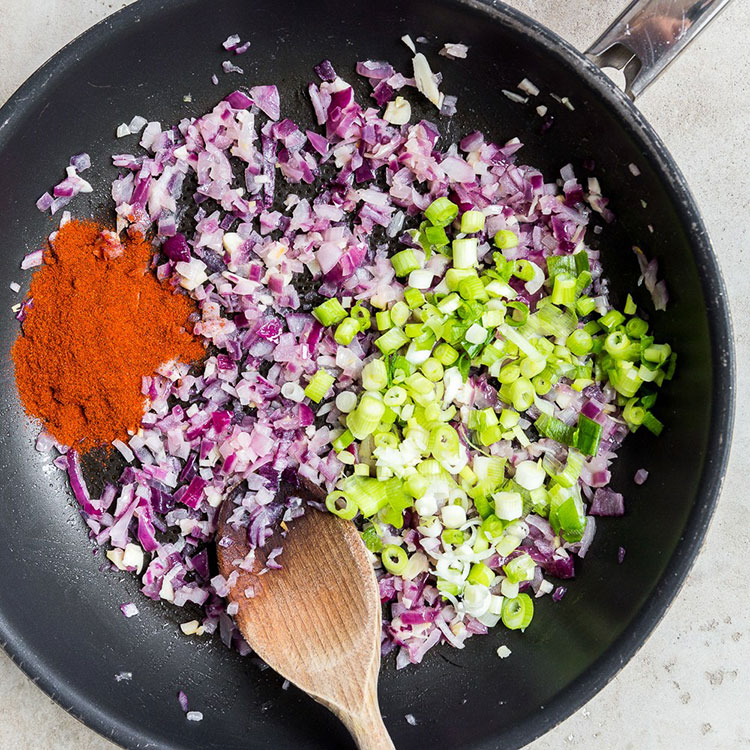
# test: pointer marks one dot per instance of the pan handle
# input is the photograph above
(648, 35)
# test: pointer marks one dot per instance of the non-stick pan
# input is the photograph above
(59, 615)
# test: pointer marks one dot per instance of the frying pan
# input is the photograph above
(59, 615)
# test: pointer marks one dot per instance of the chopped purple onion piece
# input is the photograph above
(129, 609)
(607, 503)
(239, 100)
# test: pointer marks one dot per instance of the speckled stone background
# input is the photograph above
(688, 686)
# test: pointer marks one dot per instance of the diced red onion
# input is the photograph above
(607, 503)
(32, 260)
(129, 609)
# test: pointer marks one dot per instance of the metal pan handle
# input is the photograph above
(648, 35)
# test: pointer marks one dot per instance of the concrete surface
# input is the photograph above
(688, 686)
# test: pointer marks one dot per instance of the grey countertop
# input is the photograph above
(688, 685)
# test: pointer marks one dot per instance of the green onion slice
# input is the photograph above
(517, 613)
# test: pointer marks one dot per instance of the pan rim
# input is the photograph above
(669, 585)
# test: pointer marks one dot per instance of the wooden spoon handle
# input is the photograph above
(367, 728)
(361, 714)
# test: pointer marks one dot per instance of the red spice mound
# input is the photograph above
(99, 322)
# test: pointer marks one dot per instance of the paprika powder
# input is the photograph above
(98, 322)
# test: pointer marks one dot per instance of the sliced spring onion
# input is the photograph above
(449, 304)
(400, 313)
(404, 262)
(573, 465)
(588, 435)
(444, 442)
(416, 485)
(482, 504)
(509, 418)
(412, 456)
(453, 516)
(319, 385)
(401, 368)
(371, 539)
(366, 417)
(570, 519)
(617, 345)
(368, 493)
(493, 318)
(555, 429)
(611, 320)
(554, 321)
(563, 291)
(465, 252)
(394, 559)
(636, 328)
(509, 373)
(391, 340)
(472, 221)
(625, 379)
(441, 212)
(569, 265)
(657, 353)
(498, 289)
(476, 334)
(651, 423)
(419, 384)
(524, 270)
(421, 278)
(413, 298)
(522, 394)
(518, 314)
(579, 342)
(346, 331)
(633, 414)
(471, 288)
(343, 441)
(520, 568)
(530, 475)
(492, 527)
(585, 306)
(508, 505)
(532, 367)
(505, 239)
(383, 320)
(452, 536)
(395, 396)
(432, 369)
(346, 401)
(481, 575)
(374, 375)
(330, 312)
(340, 505)
(518, 612)
(436, 236)
(583, 282)
(362, 316)
(454, 277)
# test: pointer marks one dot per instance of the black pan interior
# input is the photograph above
(59, 615)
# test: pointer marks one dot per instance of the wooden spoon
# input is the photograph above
(317, 621)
